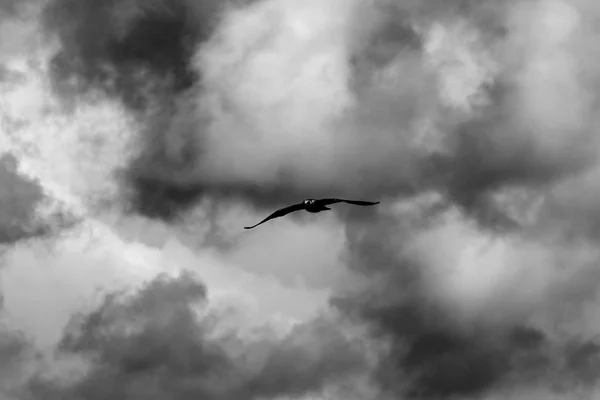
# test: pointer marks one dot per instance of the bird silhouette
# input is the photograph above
(312, 206)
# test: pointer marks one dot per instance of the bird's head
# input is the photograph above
(309, 202)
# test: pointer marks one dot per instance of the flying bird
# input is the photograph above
(312, 206)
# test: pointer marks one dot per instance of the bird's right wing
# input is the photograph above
(355, 202)
(279, 213)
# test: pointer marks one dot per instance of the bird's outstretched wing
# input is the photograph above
(355, 202)
(279, 213)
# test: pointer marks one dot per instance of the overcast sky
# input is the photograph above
(139, 137)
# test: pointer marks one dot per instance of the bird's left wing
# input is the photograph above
(279, 213)
(355, 202)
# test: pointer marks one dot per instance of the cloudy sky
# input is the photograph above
(138, 137)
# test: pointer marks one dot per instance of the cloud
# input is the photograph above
(299, 101)
(491, 119)
(161, 343)
(474, 123)
(131, 49)
(27, 212)
(17, 353)
(459, 313)
(19, 199)
(299, 108)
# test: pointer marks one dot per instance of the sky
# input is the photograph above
(139, 137)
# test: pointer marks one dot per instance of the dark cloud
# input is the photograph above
(16, 352)
(153, 345)
(431, 351)
(244, 135)
(162, 181)
(494, 152)
(504, 142)
(133, 49)
(520, 136)
(19, 197)
(129, 48)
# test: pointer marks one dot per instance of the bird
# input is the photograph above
(312, 206)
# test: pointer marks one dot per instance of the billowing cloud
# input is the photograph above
(300, 100)
(19, 199)
(469, 316)
(215, 139)
(26, 211)
(473, 122)
(159, 343)
(129, 48)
